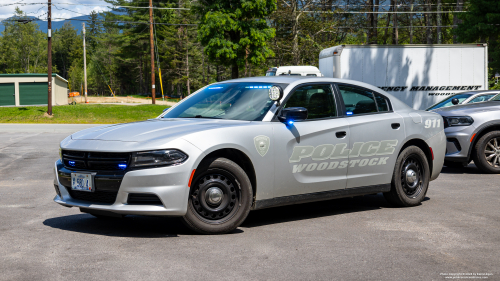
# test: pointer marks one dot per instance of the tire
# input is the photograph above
(456, 165)
(487, 153)
(229, 204)
(406, 191)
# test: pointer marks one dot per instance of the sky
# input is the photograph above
(61, 9)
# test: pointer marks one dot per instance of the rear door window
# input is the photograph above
(482, 98)
(358, 100)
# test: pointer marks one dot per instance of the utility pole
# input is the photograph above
(49, 55)
(85, 64)
(153, 95)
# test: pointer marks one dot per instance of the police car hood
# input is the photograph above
(154, 129)
(468, 109)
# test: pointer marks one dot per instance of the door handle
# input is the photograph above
(341, 134)
(395, 126)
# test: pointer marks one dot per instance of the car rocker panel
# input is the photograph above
(230, 147)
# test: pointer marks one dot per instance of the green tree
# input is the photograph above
(66, 48)
(235, 33)
(24, 46)
(481, 23)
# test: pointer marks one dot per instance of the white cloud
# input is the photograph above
(70, 8)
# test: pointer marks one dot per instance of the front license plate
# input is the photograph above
(82, 182)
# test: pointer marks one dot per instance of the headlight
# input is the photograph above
(459, 121)
(158, 158)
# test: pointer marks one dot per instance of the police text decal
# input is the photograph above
(325, 152)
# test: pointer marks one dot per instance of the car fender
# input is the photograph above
(245, 139)
(428, 127)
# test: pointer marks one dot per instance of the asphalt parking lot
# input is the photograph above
(456, 230)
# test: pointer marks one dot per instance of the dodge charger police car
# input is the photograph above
(254, 143)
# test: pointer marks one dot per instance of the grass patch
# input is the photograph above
(149, 97)
(80, 114)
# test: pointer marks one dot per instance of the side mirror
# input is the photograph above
(292, 114)
(455, 101)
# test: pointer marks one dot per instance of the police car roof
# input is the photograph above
(271, 79)
(295, 80)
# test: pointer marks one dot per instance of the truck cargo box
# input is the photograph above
(419, 75)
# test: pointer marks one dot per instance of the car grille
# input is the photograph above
(108, 175)
(95, 161)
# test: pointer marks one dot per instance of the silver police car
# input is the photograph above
(473, 133)
(254, 143)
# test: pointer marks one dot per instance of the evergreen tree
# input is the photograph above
(481, 23)
(235, 33)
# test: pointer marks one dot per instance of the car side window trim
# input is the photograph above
(292, 91)
(344, 110)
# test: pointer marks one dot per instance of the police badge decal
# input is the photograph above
(261, 144)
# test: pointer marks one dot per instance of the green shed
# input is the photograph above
(31, 89)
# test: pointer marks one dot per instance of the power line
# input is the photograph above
(108, 21)
(69, 10)
(343, 12)
(92, 5)
(399, 27)
(132, 7)
(383, 12)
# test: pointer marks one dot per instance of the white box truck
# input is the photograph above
(419, 75)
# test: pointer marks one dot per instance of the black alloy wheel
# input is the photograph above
(220, 197)
(215, 197)
(410, 179)
(411, 176)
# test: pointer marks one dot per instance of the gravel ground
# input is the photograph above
(454, 231)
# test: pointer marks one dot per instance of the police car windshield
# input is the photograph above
(234, 101)
(447, 102)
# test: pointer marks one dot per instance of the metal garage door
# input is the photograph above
(33, 93)
(7, 94)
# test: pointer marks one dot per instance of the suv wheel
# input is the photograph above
(487, 153)
(410, 179)
(219, 199)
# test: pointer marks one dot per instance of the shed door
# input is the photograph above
(33, 93)
(7, 94)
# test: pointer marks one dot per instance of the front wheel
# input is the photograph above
(410, 179)
(219, 199)
(487, 153)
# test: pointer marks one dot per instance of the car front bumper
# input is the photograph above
(169, 184)
(458, 141)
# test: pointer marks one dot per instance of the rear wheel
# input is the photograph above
(410, 179)
(487, 153)
(219, 199)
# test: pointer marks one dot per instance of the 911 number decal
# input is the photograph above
(432, 123)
